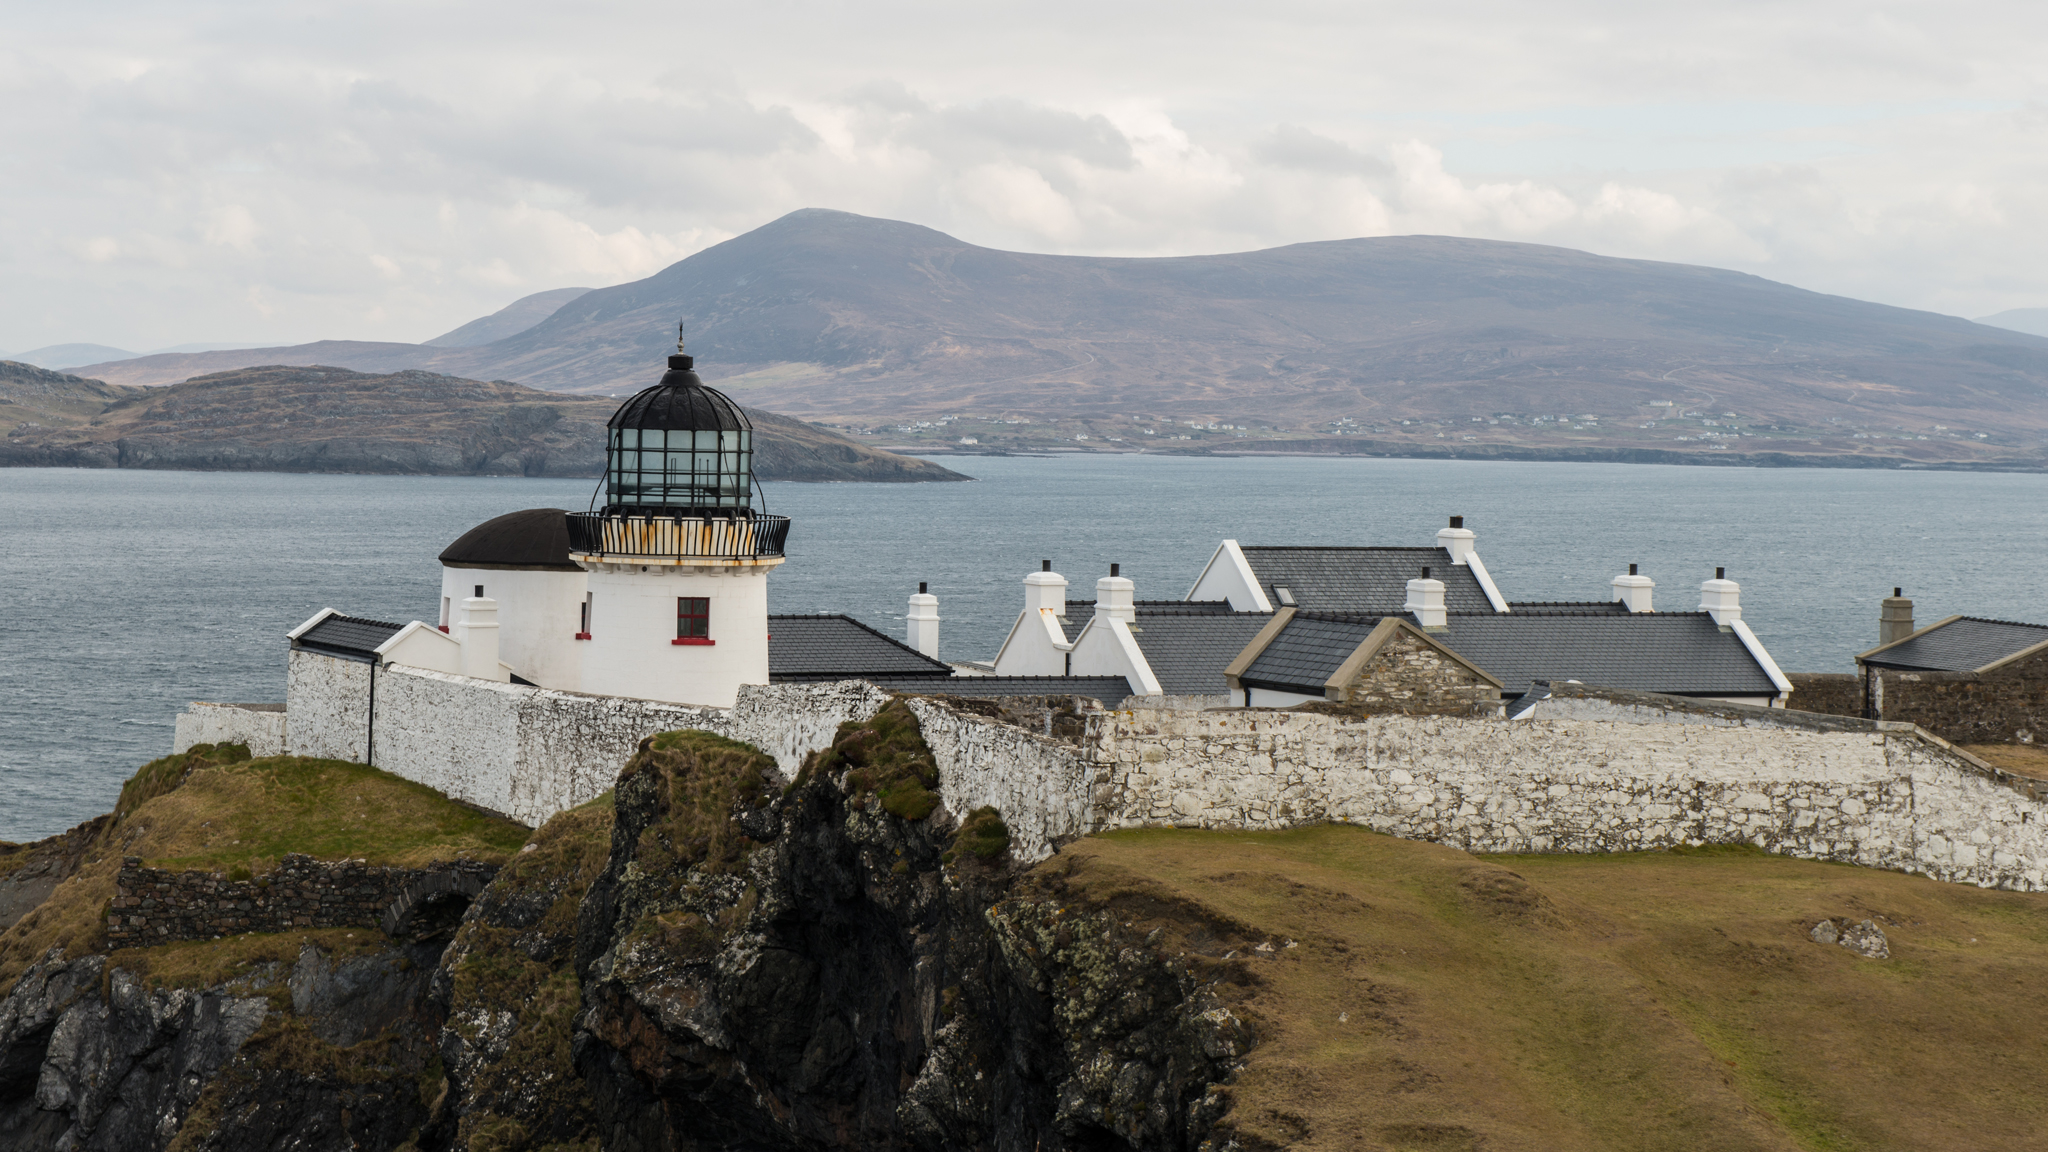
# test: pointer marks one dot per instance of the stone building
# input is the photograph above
(1970, 680)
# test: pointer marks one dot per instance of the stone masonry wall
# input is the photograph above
(1828, 693)
(155, 906)
(1409, 676)
(1838, 790)
(2008, 705)
(1039, 784)
(260, 726)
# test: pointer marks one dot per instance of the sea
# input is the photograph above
(129, 593)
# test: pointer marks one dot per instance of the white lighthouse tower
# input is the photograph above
(677, 554)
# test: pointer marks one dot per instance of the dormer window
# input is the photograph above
(1283, 595)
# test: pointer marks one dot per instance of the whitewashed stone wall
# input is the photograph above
(1039, 785)
(1830, 791)
(326, 703)
(531, 752)
(260, 726)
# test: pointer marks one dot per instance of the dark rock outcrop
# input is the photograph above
(806, 968)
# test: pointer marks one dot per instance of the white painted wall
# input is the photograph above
(1229, 576)
(539, 611)
(261, 727)
(633, 626)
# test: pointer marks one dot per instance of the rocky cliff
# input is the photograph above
(314, 419)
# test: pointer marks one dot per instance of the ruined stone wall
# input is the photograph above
(260, 726)
(1832, 789)
(1409, 676)
(155, 906)
(1827, 693)
(2008, 705)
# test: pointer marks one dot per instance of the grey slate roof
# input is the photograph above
(840, 648)
(1361, 579)
(1679, 653)
(348, 636)
(1188, 650)
(1111, 690)
(1962, 645)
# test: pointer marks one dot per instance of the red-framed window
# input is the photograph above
(693, 617)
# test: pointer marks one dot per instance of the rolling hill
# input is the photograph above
(317, 419)
(835, 316)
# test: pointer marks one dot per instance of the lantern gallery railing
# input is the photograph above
(712, 537)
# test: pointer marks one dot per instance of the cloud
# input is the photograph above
(258, 172)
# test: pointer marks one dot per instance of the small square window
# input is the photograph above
(693, 617)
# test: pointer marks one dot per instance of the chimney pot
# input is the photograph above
(1896, 592)
(1894, 618)
(1045, 565)
(1721, 598)
(1634, 591)
(1425, 572)
(1426, 601)
(1457, 521)
(922, 621)
(1116, 569)
(479, 591)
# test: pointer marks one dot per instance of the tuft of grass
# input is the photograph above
(238, 815)
(1434, 999)
(885, 757)
(698, 778)
(984, 833)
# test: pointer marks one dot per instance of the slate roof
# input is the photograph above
(1961, 645)
(1111, 690)
(1188, 650)
(1678, 653)
(1361, 579)
(841, 648)
(348, 636)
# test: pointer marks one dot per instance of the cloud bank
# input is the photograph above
(291, 172)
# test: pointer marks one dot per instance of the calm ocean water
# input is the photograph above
(129, 593)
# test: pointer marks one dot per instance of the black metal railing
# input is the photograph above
(712, 537)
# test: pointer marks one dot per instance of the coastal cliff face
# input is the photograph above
(716, 959)
(838, 966)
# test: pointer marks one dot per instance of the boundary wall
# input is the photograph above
(1588, 771)
(260, 726)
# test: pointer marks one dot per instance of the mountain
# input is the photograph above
(286, 419)
(510, 320)
(56, 356)
(831, 315)
(2033, 321)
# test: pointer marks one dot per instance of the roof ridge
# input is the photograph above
(1341, 548)
(2008, 623)
(362, 620)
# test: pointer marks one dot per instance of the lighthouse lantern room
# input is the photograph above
(678, 553)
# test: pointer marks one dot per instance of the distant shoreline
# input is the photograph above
(1381, 451)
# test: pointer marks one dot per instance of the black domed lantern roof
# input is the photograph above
(679, 449)
(535, 539)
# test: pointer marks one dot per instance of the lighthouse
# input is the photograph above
(677, 551)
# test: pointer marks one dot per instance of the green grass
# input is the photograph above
(1642, 1001)
(206, 810)
(884, 756)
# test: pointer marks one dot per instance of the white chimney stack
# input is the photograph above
(1116, 596)
(1634, 591)
(1457, 540)
(1721, 598)
(923, 622)
(1426, 601)
(1045, 588)
(477, 629)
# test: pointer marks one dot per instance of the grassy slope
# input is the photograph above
(246, 815)
(1438, 1000)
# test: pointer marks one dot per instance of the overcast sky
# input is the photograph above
(288, 170)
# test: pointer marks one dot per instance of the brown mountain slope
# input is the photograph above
(831, 315)
(33, 398)
(320, 419)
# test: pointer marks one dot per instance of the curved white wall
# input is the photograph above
(539, 611)
(633, 625)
